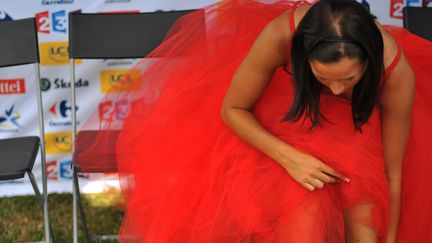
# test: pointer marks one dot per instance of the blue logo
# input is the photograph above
(63, 112)
(413, 3)
(4, 16)
(59, 21)
(62, 109)
(9, 119)
(65, 169)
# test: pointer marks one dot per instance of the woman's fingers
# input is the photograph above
(308, 186)
(326, 178)
(330, 171)
(315, 183)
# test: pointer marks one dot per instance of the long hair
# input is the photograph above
(329, 31)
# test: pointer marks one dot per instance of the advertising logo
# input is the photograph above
(59, 83)
(9, 119)
(55, 53)
(58, 143)
(66, 169)
(110, 110)
(59, 170)
(62, 112)
(52, 170)
(57, 22)
(396, 6)
(62, 109)
(12, 86)
(115, 81)
(56, 2)
(4, 16)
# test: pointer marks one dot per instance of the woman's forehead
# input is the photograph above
(345, 68)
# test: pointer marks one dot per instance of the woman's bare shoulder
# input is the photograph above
(281, 25)
(299, 13)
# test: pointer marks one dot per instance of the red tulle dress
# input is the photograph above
(187, 178)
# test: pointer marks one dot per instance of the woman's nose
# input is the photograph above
(337, 88)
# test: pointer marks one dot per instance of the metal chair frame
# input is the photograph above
(136, 43)
(23, 32)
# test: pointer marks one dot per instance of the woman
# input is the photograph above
(308, 157)
(338, 43)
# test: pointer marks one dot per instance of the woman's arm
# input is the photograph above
(266, 55)
(396, 106)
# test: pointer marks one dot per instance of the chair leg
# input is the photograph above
(40, 199)
(88, 234)
(80, 207)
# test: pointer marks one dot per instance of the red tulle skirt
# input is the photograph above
(187, 178)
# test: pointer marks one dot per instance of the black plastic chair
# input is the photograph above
(108, 36)
(19, 46)
(418, 20)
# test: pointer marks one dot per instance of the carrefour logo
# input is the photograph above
(56, 2)
(396, 6)
(114, 81)
(61, 112)
(58, 143)
(9, 119)
(62, 109)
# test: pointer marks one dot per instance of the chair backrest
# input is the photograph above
(418, 20)
(18, 42)
(118, 35)
(110, 36)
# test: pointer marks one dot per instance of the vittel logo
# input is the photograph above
(12, 86)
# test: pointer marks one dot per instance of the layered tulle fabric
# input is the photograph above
(187, 178)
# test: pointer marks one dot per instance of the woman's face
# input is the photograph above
(340, 77)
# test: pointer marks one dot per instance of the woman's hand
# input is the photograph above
(310, 172)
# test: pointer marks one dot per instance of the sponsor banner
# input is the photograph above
(115, 81)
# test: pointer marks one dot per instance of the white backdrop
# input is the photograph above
(18, 110)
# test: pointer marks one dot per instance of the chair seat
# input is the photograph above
(17, 155)
(100, 159)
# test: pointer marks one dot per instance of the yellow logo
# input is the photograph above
(58, 143)
(55, 53)
(115, 81)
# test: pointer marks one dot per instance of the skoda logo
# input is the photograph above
(45, 84)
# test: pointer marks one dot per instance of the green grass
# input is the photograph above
(21, 218)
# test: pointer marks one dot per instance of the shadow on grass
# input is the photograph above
(21, 219)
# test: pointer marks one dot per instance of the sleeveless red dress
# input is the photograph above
(187, 178)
